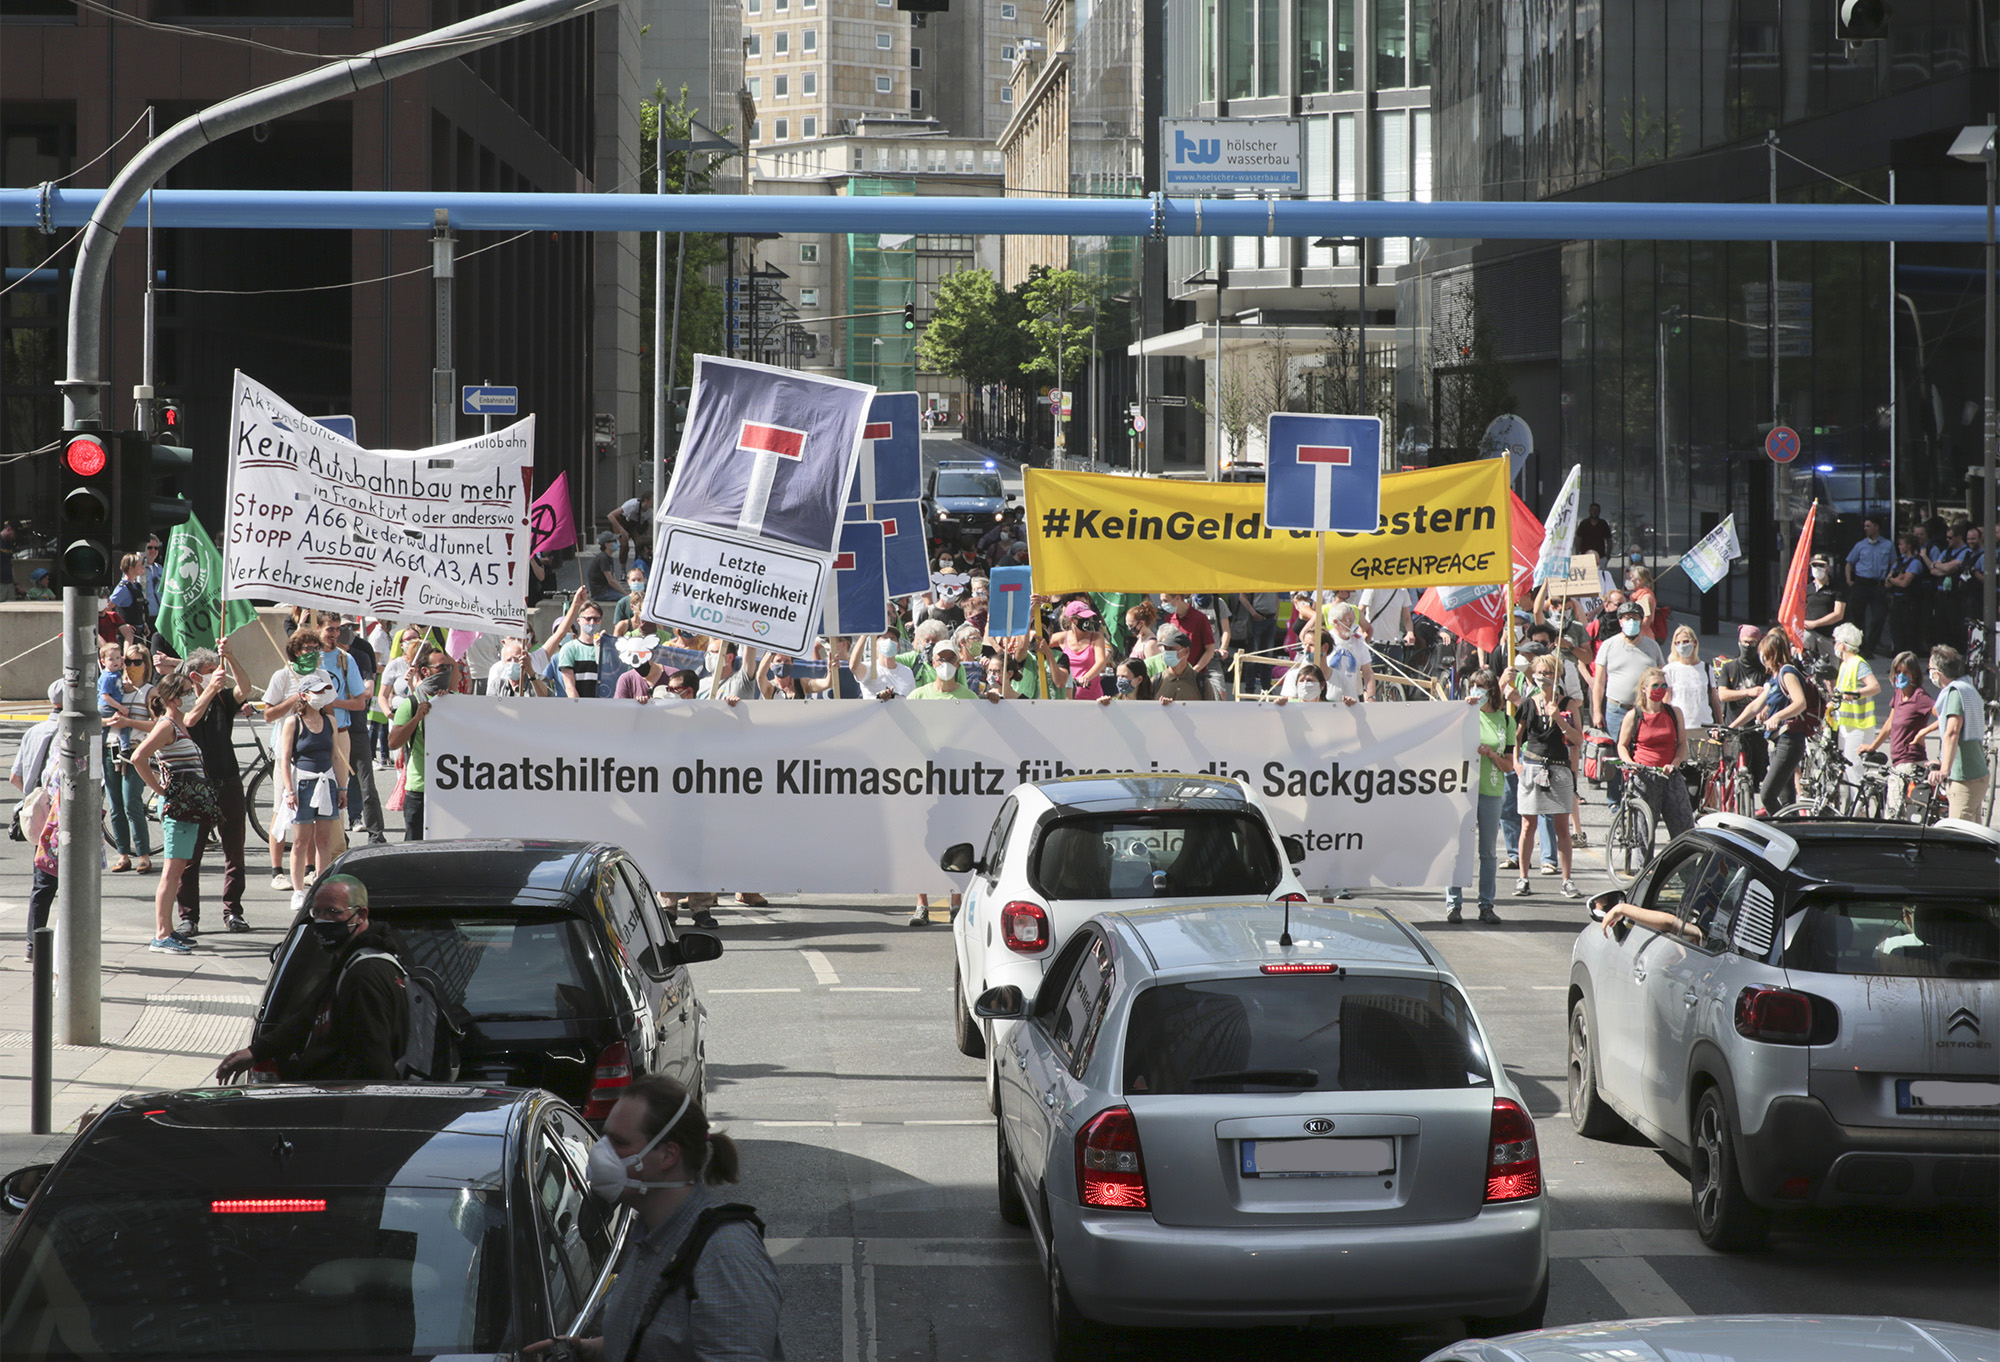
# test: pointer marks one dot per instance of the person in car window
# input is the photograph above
(1658, 919)
(357, 1024)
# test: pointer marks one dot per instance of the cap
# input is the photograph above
(56, 694)
(1631, 609)
(1821, 560)
(1075, 608)
(39, 575)
(1748, 633)
(944, 646)
(1170, 637)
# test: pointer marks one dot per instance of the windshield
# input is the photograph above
(1191, 853)
(384, 1272)
(1303, 1032)
(1941, 938)
(969, 485)
(493, 967)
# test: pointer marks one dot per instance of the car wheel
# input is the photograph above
(1519, 1322)
(1588, 1114)
(1073, 1337)
(1724, 1216)
(1013, 1209)
(971, 1039)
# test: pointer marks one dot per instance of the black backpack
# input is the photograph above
(431, 1051)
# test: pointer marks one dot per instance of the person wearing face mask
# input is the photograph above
(693, 1281)
(1909, 596)
(1496, 759)
(891, 678)
(312, 771)
(1856, 712)
(1825, 607)
(1910, 711)
(282, 700)
(1084, 650)
(1961, 726)
(1175, 676)
(1692, 685)
(580, 660)
(1737, 680)
(356, 1025)
(625, 616)
(430, 677)
(170, 764)
(1194, 626)
(1129, 681)
(1782, 708)
(1306, 683)
(1652, 736)
(122, 688)
(1614, 683)
(212, 725)
(1547, 734)
(1639, 586)
(519, 670)
(1348, 662)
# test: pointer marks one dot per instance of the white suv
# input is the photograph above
(1062, 851)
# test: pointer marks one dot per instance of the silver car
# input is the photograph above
(1805, 1014)
(1221, 1115)
(1743, 1338)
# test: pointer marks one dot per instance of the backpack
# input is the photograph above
(680, 1268)
(1809, 722)
(432, 1049)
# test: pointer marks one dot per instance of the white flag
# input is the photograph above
(1559, 531)
(1708, 561)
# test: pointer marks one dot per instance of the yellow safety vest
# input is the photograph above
(1849, 712)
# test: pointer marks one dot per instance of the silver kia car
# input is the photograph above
(1263, 1113)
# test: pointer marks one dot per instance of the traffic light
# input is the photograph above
(1860, 21)
(84, 526)
(170, 423)
(909, 316)
(151, 496)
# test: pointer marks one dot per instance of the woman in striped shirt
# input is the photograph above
(170, 764)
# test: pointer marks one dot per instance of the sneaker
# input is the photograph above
(298, 899)
(281, 881)
(234, 922)
(753, 900)
(172, 945)
(1549, 868)
(29, 956)
(1508, 862)
(706, 919)
(1489, 917)
(1570, 891)
(1520, 891)
(188, 929)
(920, 917)
(1577, 839)
(1454, 915)
(376, 839)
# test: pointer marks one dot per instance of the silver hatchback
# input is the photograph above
(1208, 1118)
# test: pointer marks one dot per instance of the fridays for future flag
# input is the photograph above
(192, 611)
(1708, 561)
(1559, 533)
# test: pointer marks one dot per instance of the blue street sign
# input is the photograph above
(1782, 444)
(906, 561)
(490, 401)
(1323, 473)
(1010, 590)
(342, 426)
(857, 601)
(891, 464)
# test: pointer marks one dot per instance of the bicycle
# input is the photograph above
(1628, 842)
(1727, 788)
(261, 768)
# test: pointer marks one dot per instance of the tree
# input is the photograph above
(973, 332)
(701, 301)
(1064, 307)
(1468, 385)
(1332, 376)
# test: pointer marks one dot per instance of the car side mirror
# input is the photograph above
(1295, 848)
(1011, 499)
(699, 947)
(1001, 1003)
(1603, 903)
(958, 859)
(19, 1185)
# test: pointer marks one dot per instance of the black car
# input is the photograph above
(553, 955)
(334, 1221)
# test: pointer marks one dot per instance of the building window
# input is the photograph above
(857, 158)
(809, 127)
(809, 83)
(753, 45)
(808, 297)
(1006, 11)
(808, 252)
(756, 6)
(756, 87)
(916, 99)
(1420, 43)
(1006, 52)
(1315, 67)
(884, 42)
(784, 43)
(756, 130)
(781, 87)
(782, 130)
(1006, 94)
(810, 41)
(1391, 71)
(781, 5)
(883, 85)
(916, 56)
(808, 4)
(881, 158)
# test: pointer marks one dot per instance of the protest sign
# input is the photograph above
(854, 598)
(1099, 532)
(863, 798)
(1010, 593)
(1322, 472)
(891, 464)
(437, 537)
(1708, 561)
(1580, 579)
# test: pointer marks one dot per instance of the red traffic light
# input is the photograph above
(85, 456)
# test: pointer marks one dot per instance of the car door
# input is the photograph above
(1619, 974)
(1660, 966)
(573, 1230)
(669, 991)
(1033, 1062)
(981, 906)
(1684, 981)
(1063, 1033)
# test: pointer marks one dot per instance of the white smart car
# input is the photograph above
(1062, 851)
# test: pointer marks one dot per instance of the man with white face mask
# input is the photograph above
(721, 1299)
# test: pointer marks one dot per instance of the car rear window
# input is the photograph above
(969, 485)
(1929, 938)
(228, 1272)
(1273, 1031)
(1208, 853)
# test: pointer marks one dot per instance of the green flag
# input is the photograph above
(191, 604)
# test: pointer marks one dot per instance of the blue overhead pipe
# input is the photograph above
(52, 209)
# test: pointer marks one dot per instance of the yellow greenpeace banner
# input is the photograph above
(1100, 532)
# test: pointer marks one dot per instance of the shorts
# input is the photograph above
(1558, 798)
(179, 841)
(305, 813)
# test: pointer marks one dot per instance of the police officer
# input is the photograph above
(358, 1023)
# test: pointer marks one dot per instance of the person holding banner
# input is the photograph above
(1176, 678)
(1496, 760)
(187, 800)
(312, 771)
(1546, 732)
(430, 677)
(1084, 648)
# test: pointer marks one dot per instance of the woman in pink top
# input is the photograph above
(1083, 645)
(1910, 711)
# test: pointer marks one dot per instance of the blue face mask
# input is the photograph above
(1902, 682)
(1629, 628)
(1477, 695)
(1124, 685)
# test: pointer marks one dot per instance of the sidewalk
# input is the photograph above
(167, 1019)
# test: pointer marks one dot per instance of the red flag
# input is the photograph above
(550, 519)
(1479, 621)
(1792, 605)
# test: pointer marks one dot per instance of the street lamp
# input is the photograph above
(666, 354)
(1195, 281)
(1360, 313)
(1977, 144)
(765, 271)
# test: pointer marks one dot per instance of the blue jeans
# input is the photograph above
(1614, 719)
(1489, 857)
(126, 794)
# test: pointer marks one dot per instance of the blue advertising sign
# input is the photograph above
(891, 464)
(905, 554)
(856, 601)
(1011, 590)
(1323, 473)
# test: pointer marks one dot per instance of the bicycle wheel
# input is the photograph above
(1628, 843)
(253, 802)
(1745, 794)
(1867, 800)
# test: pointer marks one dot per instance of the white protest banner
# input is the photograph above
(1708, 561)
(1559, 530)
(430, 536)
(862, 798)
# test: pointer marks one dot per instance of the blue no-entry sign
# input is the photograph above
(490, 401)
(1782, 444)
(1323, 472)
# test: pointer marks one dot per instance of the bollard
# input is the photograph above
(42, 1024)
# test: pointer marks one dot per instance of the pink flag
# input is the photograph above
(550, 520)
(458, 643)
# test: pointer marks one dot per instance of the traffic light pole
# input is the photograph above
(79, 917)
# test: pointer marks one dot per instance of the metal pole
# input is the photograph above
(662, 372)
(486, 417)
(41, 1062)
(1890, 524)
(1055, 407)
(1986, 534)
(148, 406)
(444, 381)
(1215, 462)
(78, 907)
(1780, 504)
(1361, 324)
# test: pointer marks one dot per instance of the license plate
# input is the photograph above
(1940, 1094)
(1318, 1158)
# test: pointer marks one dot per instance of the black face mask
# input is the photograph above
(331, 936)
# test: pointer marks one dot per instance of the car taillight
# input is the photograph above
(1513, 1163)
(266, 1072)
(1777, 1015)
(1024, 927)
(608, 1082)
(1110, 1170)
(267, 1205)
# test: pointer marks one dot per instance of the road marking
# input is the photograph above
(985, 1121)
(1641, 1292)
(754, 990)
(1486, 988)
(822, 967)
(1548, 988)
(840, 1251)
(857, 988)
(850, 1311)
(1626, 1244)
(849, 1125)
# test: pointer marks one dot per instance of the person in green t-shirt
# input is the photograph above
(1496, 759)
(1961, 726)
(944, 685)
(430, 677)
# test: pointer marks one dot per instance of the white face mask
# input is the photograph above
(946, 671)
(1308, 690)
(1684, 649)
(319, 699)
(610, 1176)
